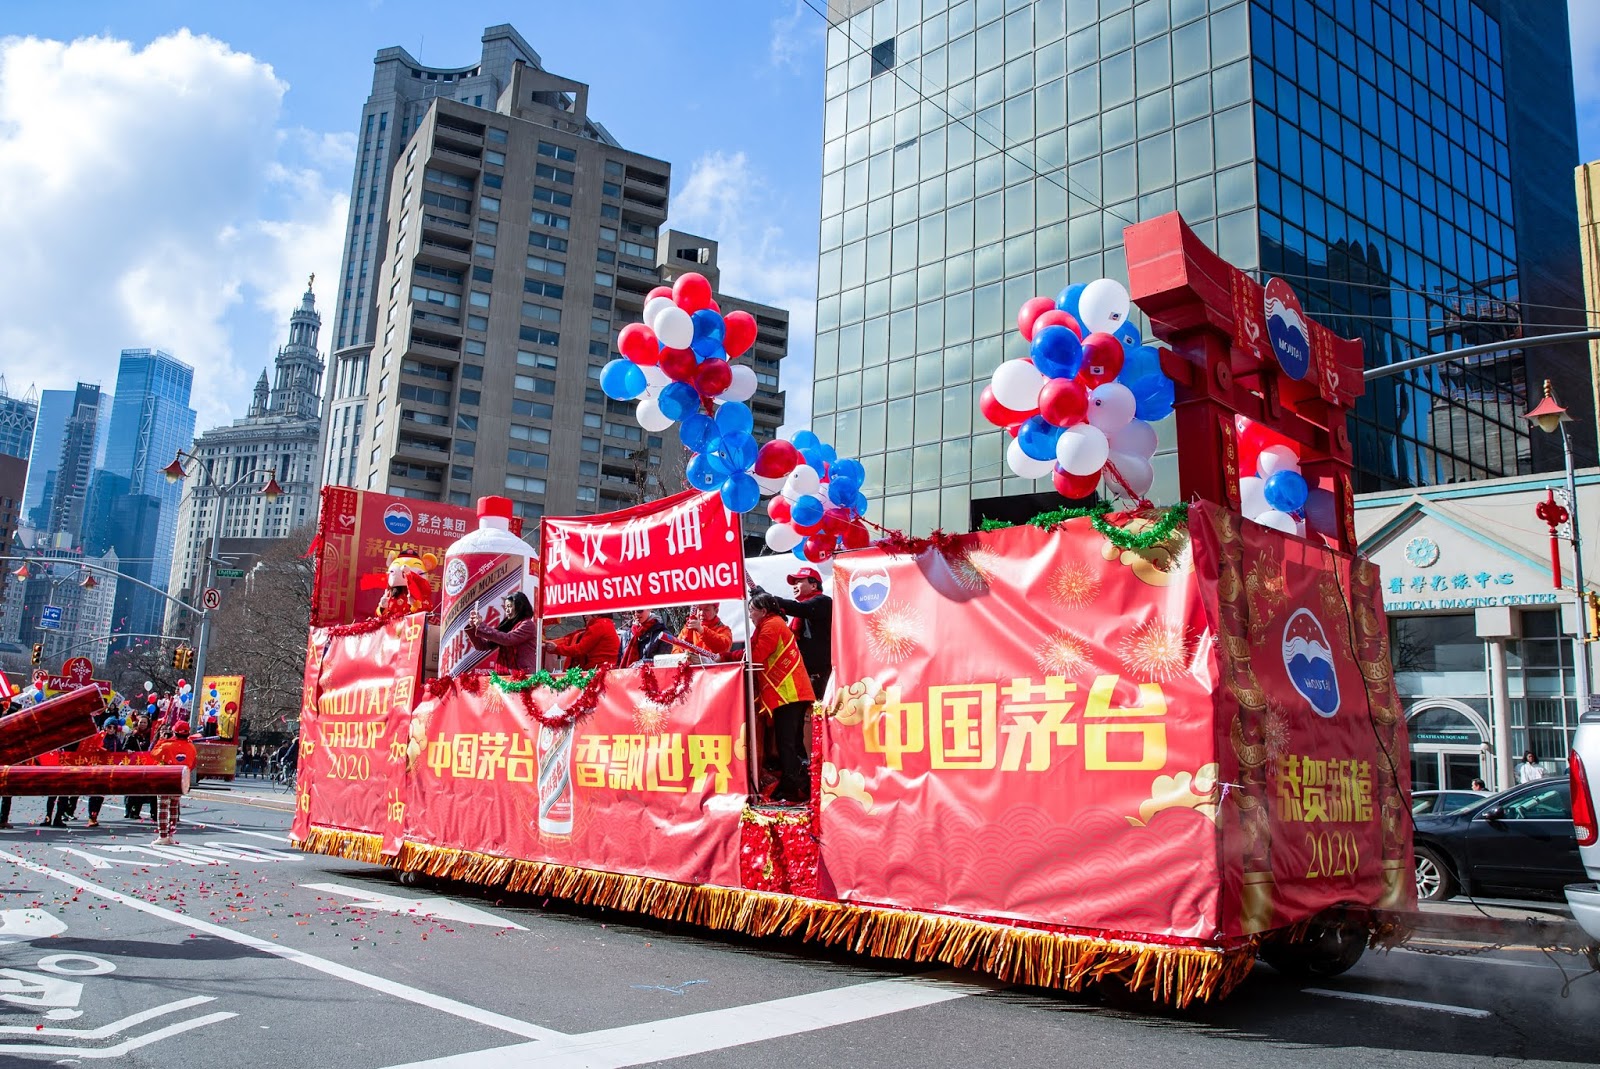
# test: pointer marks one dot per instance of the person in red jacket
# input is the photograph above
(595, 645)
(513, 639)
(175, 749)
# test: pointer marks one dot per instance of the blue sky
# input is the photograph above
(174, 189)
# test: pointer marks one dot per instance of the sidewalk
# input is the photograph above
(249, 790)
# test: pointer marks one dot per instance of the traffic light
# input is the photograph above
(177, 658)
(38, 652)
(185, 659)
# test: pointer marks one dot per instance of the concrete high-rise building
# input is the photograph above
(523, 238)
(55, 408)
(281, 432)
(402, 91)
(18, 415)
(74, 467)
(1403, 166)
(134, 507)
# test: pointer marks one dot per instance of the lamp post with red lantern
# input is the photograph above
(1550, 417)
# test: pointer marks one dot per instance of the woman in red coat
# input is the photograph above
(513, 639)
(595, 646)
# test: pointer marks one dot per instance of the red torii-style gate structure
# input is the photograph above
(1242, 349)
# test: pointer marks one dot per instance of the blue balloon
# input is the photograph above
(842, 491)
(1038, 438)
(1156, 402)
(804, 440)
(733, 417)
(827, 453)
(799, 550)
(740, 493)
(707, 324)
(806, 511)
(740, 449)
(677, 400)
(849, 468)
(707, 349)
(813, 458)
(699, 433)
(720, 464)
(859, 506)
(1057, 353)
(622, 379)
(1128, 334)
(1067, 299)
(1286, 491)
(702, 474)
(1139, 364)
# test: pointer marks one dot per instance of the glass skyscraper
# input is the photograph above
(1403, 164)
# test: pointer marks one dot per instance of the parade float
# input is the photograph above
(1122, 745)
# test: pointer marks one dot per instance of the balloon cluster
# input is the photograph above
(1275, 494)
(1080, 405)
(819, 504)
(677, 364)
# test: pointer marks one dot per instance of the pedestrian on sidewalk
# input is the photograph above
(1530, 769)
(174, 750)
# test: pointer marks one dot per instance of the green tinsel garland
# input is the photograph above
(572, 677)
(1149, 538)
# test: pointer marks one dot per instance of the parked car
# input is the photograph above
(1584, 781)
(1518, 842)
(1432, 803)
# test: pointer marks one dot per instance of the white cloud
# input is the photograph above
(1584, 19)
(793, 36)
(148, 197)
(726, 201)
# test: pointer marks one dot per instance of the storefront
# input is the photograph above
(1481, 639)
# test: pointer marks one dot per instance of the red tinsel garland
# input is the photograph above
(474, 683)
(360, 627)
(673, 694)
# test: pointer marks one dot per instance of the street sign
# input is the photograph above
(230, 573)
(58, 684)
(50, 618)
(212, 598)
(78, 669)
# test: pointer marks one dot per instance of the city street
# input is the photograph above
(234, 949)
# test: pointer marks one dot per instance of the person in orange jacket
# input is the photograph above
(595, 645)
(703, 629)
(175, 749)
(783, 692)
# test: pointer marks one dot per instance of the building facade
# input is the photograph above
(523, 238)
(18, 416)
(282, 432)
(1401, 165)
(74, 468)
(402, 91)
(55, 408)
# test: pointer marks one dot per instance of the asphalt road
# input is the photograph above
(234, 950)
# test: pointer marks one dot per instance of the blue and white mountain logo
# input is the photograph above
(1308, 659)
(397, 519)
(869, 590)
(1287, 330)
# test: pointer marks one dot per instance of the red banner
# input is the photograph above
(679, 550)
(354, 716)
(1070, 767)
(635, 787)
(358, 531)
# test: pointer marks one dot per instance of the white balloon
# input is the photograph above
(1103, 305)
(1253, 496)
(1275, 458)
(1082, 450)
(650, 416)
(674, 327)
(654, 377)
(1278, 521)
(1111, 407)
(770, 484)
(654, 307)
(1016, 385)
(1136, 471)
(1025, 466)
(803, 480)
(743, 386)
(781, 538)
(1137, 439)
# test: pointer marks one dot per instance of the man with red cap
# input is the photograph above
(810, 614)
(173, 750)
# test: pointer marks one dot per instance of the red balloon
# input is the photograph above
(738, 333)
(856, 536)
(1013, 429)
(679, 364)
(1101, 362)
(806, 528)
(1074, 486)
(776, 459)
(1055, 317)
(819, 547)
(659, 291)
(997, 413)
(1253, 439)
(1063, 402)
(836, 520)
(1029, 313)
(712, 377)
(692, 292)
(639, 343)
(778, 507)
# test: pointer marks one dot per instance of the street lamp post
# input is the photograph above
(1549, 416)
(271, 492)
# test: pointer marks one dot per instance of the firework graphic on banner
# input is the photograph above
(649, 717)
(1062, 654)
(894, 632)
(1073, 585)
(1156, 650)
(975, 569)
(1275, 730)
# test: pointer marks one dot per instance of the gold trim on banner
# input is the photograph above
(1176, 975)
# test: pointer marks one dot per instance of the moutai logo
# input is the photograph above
(397, 519)
(1287, 330)
(869, 590)
(1308, 659)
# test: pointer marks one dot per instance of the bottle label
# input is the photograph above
(481, 581)
(555, 780)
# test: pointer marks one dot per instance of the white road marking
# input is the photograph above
(122, 1048)
(700, 1033)
(1386, 1000)
(21, 925)
(106, 862)
(236, 831)
(441, 908)
(476, 1014)
(108, 1029)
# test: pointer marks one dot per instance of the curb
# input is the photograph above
(1536, 931)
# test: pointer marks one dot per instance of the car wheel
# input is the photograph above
(1435, 881)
